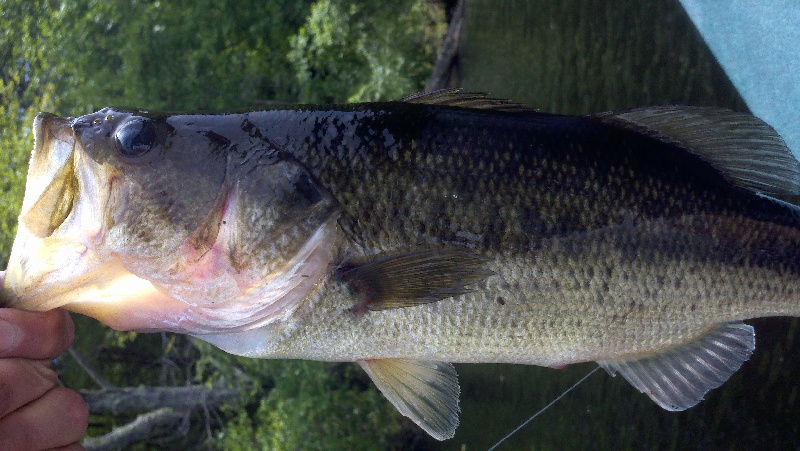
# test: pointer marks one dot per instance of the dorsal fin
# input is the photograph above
(455, 97)
(746, 150)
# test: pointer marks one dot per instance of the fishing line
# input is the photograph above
(543, 409)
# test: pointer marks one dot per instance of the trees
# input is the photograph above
(74, 57)
(365, 51)
(175, 55)
(24, 89)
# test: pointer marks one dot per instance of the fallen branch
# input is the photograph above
(142, 428)
(449, 52)
(119, 401)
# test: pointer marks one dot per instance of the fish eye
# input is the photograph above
(135, 138)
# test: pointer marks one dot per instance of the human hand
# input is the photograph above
(35, 413)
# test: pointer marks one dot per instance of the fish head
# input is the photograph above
(149, 222)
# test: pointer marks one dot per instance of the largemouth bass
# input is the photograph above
(448, 227)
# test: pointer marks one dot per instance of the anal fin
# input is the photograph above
(679, 378)
(424, 391)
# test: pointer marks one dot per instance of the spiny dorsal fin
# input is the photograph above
(414, 278)
(424, 391)
(679, 378)
(455, 97)
(745, 149)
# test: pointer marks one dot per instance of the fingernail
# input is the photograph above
(8, 336)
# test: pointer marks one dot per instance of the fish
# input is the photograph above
(447, 227)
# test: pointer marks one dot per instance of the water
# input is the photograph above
(583, 56)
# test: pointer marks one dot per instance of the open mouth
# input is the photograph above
(40, 260)
(52, 186)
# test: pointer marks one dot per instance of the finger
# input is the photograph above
(59, 418)
(35, 335)
(22, 381)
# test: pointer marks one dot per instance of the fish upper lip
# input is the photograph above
(53, 125)
(81, 123)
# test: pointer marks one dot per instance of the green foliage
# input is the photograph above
(365, 51)
(22, 93)
(74, 57)
(297, 404)
(15, 144)
(212, 55)
(27, 33)
(314, 405)
(176, 55)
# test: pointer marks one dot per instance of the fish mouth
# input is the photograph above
(52, 186)
(43, 257)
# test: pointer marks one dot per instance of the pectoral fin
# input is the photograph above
(679, 378)
(415, 278)
(424, 391)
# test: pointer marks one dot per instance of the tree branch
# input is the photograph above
(139, 429)
(118, 401)
(449, 52)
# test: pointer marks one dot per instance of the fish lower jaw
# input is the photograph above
(38, 271)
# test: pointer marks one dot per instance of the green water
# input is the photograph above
(583, 56)
(587, 56)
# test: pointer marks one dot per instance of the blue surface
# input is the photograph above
(758, 45)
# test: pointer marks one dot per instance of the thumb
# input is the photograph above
(35, 335)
